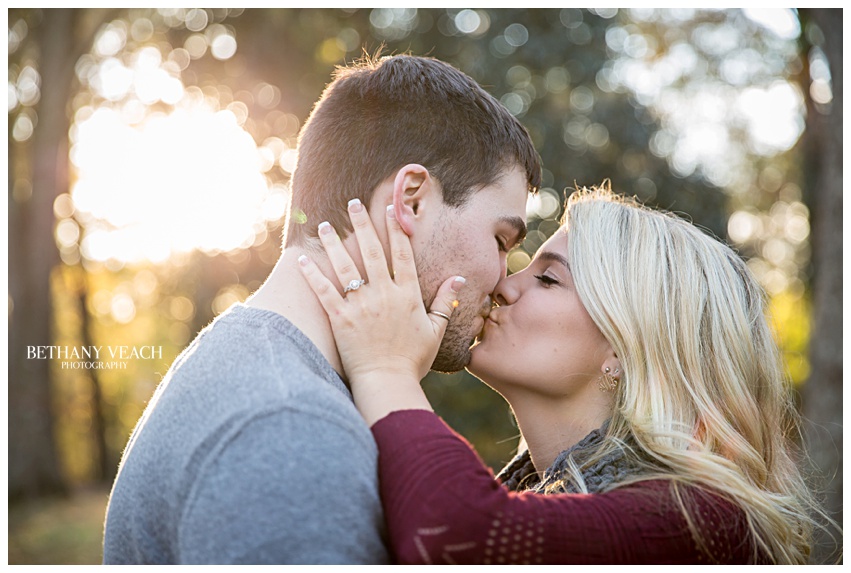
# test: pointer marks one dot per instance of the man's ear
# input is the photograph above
(414, 190)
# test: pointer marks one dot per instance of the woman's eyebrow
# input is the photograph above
(551, 256)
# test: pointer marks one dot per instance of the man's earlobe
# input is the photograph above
(412, 189)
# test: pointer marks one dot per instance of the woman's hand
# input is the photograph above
(386, 339)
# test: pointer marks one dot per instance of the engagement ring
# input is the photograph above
(354, 284)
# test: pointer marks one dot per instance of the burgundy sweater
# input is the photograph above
(443, 505)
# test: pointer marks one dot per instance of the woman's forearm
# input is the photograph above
(443, 505)
(386, 392)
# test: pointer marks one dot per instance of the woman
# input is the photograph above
(637, 359)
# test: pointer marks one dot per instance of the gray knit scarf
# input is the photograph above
(520, 474)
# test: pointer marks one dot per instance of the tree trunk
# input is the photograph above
(33, 463)
(107, 461)
(822, 393)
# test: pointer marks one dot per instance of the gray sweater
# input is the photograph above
(250, 451)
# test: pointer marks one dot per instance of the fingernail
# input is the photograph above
(458, 284)
(302, 260)
(391, 212)
(355, 206)
(325, 228)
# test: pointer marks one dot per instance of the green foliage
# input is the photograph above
(478, 413)
(791, 317)
(58, 531)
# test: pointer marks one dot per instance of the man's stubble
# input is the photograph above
(433, 269)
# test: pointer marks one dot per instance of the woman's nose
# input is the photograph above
(507, 290)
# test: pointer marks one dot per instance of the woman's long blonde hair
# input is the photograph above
(703, 396)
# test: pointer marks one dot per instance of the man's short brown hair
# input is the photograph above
(380, 115)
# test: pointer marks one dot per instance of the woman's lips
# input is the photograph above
(488, 322)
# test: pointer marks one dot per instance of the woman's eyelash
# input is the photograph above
(546, 280)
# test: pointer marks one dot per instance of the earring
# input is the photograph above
(607, 382)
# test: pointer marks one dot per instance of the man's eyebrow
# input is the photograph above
(519, 226)
(551, 256)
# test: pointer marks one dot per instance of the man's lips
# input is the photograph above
(493, 316)
(486, 308)
(479, 331)
(489, 321)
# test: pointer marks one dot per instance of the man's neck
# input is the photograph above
(288, 294)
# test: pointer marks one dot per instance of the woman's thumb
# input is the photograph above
(445, 302)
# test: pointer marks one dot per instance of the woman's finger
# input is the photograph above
(445, 302)
(372, 252)
(321, 286)
(345, 269)
(401, 253)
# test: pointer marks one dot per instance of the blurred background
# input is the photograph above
(150, 152)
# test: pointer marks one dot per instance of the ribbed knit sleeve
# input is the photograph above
(443, 505)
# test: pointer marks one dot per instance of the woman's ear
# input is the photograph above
(612, 367)
(413, 190)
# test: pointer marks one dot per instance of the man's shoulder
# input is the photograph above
(244, 334)
(249, 397)
(246, 373)
(249, 350)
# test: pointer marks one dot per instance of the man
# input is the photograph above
(251, 449)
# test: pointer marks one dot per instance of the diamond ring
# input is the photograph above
(354, 284)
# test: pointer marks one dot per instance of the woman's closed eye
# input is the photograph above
(546, 280)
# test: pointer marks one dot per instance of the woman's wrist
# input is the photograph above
(387, 391)
(376, 369)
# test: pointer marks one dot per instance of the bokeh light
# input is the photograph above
(207, 190)
(781, 21)
(163, 169)
(773, 116)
